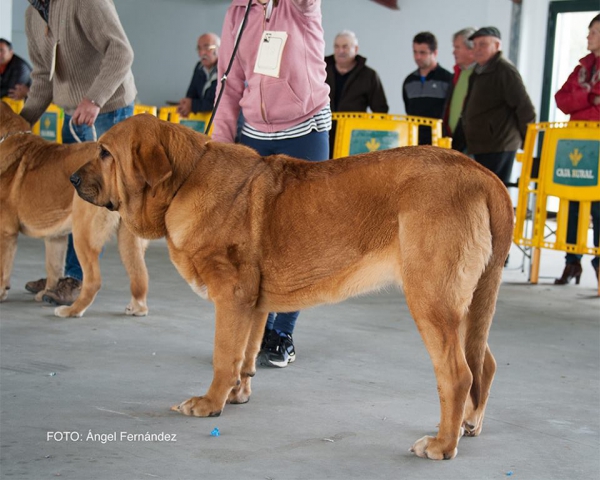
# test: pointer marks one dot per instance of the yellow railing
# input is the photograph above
(569, 164)
(358, 132)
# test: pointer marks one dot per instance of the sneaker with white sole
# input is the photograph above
(277, 351)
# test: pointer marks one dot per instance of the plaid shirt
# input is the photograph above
(42, 6)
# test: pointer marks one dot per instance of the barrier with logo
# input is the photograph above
(50, 124)
(568, 170)
(195, 121)
(358, 132)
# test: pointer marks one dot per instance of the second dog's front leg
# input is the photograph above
(232, 333)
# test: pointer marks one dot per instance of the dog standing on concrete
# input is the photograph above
(258, 234)
(38, 200)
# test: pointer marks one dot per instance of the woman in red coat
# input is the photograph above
(580, 98)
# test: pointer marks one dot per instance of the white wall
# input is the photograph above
(163, 35)
(6, 19)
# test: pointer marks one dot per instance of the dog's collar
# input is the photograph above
(4, 137)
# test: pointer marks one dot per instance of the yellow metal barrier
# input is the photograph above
(195, 121)
(152, 110)
(568, 170)
(164, 113)
(15, 105)
(50, 124)
(358, 132)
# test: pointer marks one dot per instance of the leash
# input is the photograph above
(76, 137)
(4, 137)
(224, 78)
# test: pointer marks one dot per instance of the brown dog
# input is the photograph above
(256, 234)
(38, 200)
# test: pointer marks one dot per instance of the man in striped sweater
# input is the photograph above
(81, 62)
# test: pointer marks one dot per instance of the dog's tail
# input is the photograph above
(483, 304)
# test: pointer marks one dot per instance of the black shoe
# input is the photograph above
(277, 350)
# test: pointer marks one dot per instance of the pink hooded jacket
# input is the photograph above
(272, 104)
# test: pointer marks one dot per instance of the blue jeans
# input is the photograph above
(102, 124)
(313, 146)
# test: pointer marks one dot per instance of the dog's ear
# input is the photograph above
(154, 165)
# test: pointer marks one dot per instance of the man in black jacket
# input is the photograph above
(14, 73)
(200, 96)
(497, 108)
(354, 87)
(425, 90)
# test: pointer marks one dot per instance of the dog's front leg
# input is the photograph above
(241, 393)
(8, 249)
(230, 358)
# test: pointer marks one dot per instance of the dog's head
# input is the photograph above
(133, 173)
(10, 122)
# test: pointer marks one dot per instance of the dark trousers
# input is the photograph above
(572, 230)
(501, 163)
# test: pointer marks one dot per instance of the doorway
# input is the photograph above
(565, 44)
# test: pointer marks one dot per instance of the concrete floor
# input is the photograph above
(360, 393)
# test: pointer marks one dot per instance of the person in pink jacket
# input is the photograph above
(278, 81)
(579, 97)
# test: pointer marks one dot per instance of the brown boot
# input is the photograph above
(65, 293)
(572, 270)
(36, 286)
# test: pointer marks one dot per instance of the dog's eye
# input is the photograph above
(104, 153)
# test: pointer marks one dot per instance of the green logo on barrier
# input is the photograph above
(197, 125)
(363, 141)
(576, 163)
(48, 126)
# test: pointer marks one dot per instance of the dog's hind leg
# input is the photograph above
(479, 357)
(132, 250)
(438, 324)
(8, 249)
(241, 393)
(439, 299)
(234, 327)
(56, 253)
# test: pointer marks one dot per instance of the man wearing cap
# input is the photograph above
(497, 108)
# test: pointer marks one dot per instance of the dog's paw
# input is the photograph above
(430, 447)
(470, 430)
(39, 295)
(65, 311)
(3, 294)
(136, 309)
(198, 407)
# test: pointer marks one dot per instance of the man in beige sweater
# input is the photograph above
(81, 62)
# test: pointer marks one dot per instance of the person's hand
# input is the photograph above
(185, 107)
(19, 92)
(597, 100)
(86, 113)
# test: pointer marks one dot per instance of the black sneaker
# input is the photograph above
(277, 351)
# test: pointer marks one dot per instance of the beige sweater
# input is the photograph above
(93, 58)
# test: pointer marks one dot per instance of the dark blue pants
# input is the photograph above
(313, 146)
(102, 124)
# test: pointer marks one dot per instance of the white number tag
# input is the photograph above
(270, 52)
